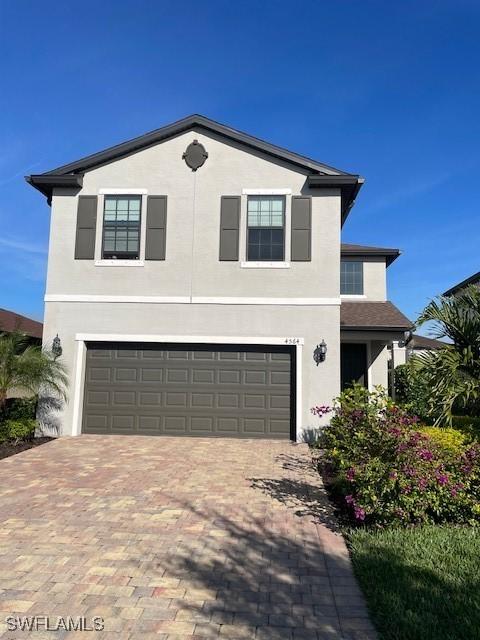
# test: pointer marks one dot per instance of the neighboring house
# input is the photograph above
(9, 321)
(419, 345)
(475, 279)
(196, 278)
(400, 352)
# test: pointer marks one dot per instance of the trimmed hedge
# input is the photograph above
(451, 441)
(17, 430)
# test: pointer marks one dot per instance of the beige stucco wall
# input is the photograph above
(192, 268)
(374, 278)
(378, 369)
(319, 384)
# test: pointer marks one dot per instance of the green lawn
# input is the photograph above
(422, 583)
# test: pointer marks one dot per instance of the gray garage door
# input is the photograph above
(191, 390)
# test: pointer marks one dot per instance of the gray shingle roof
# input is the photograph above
(9, 320)
(361, 250)
(372, 315)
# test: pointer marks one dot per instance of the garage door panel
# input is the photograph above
(225, 391)
(152, 399)
(203, 376)
(99, 374)
(120, 374)
(175, 424)
(149, 423)
(98, 398)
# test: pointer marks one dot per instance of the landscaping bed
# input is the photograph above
(408, 498)
(421, 583)
(12, 447)
(17, 427)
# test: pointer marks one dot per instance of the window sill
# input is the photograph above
(353, 296)
(265, 265)
(119, 263)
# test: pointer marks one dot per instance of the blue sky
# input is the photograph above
(387, 90)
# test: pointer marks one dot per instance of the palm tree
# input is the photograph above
(28, 367)
(453, 374)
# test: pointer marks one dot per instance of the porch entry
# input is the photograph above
(353, 364)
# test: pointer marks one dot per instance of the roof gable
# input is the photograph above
(475, 279)
(9, 321)
(319, 174)
(362, 251)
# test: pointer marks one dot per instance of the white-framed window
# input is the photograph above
(265, 228)
(351, 277)
(121, 227)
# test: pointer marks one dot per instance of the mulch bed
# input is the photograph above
(11, 448)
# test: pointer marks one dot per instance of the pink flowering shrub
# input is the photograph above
(386, 471)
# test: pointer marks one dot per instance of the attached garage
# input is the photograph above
(239, 391)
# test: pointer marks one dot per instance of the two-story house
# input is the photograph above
(473, 279)
(198, 285)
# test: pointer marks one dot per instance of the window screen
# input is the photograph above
(121, 227)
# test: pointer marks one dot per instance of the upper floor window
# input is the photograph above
(351, 277)
(266, 228)
(121, 227)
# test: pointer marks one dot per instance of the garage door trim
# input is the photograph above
(80, 364)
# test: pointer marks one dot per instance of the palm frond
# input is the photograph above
(28, 367)
(453, 374)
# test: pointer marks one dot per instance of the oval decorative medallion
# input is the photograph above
(195, 155)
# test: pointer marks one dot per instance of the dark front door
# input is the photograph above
(353, 364)
(192, 390)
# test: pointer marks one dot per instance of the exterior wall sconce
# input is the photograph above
(56, 347)
(320, 352)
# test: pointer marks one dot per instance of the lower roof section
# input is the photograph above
(372, 316)
(11, 321)
(362, 251)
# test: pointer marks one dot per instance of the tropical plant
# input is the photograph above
(385, 470)
(17, 430)
(412, 391)
(28, 368)
(453, 374)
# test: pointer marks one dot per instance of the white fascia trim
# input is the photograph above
(55, 297)
(78, 388)
(123, 192)
(81, 338)
(307, 302)
(119, 263)
(268, 301)
(266, 192)
(352, 296)
(146, 337)
(265, 265)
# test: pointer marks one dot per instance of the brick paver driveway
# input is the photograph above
(174, 538)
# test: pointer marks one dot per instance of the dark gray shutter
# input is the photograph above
(229, 227)
(86, 228)
(156, 240)
(301, 247)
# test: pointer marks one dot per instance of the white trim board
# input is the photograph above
(278, 301)
(60, 297)
(82, 338)
(264, 265)
(288, 341)
(123, 192)
(267, 192)
(119, 263)
(101, 298)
